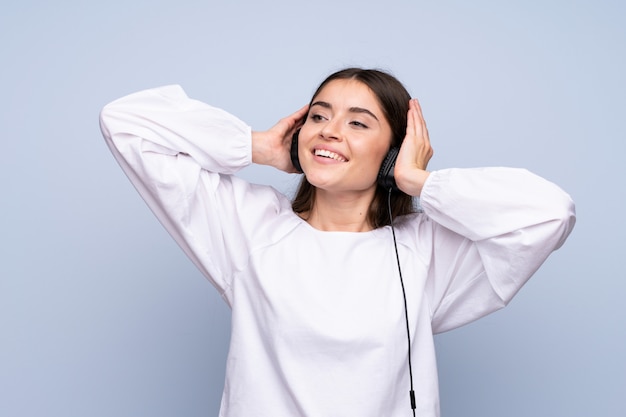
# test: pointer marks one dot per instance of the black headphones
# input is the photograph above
(385, 175)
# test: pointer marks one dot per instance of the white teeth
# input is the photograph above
(328, 154)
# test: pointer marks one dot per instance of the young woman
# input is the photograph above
(319, 322)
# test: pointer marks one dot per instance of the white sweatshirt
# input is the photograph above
(318, 324)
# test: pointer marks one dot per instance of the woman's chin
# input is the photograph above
(334, 186)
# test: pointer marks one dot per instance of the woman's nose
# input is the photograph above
(331, 130)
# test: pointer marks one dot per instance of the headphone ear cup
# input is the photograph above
(385, 174)
(295, 160)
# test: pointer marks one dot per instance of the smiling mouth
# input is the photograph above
(329, 154)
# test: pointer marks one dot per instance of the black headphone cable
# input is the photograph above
(406, 311)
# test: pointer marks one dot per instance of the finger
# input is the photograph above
(421, 122)
(300, 114)
(296, 119)
(411, 126)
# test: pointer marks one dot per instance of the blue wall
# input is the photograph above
(102, 315)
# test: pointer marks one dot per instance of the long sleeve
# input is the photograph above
(178, 153)
(498, 226)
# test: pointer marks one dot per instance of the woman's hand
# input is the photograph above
(272, 146)
(410, 170)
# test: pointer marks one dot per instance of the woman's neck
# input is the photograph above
(340, 212)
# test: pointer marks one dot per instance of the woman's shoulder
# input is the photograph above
(418, 231)
(411, 221)
(263, 210)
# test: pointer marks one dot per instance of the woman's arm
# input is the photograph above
(495, 227)
(177, 152)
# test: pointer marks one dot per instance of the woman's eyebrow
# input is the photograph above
(362, 110)
(322, 104)
(327, 105)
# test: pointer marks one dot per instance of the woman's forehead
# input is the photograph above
(348, 93)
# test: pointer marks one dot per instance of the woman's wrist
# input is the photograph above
(412, 182)
(259, 151)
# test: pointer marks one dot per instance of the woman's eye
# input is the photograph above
(316, 117)
(358, 124)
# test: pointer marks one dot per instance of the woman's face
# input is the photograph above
(345, 138)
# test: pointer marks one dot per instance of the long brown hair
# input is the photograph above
(394, 100)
